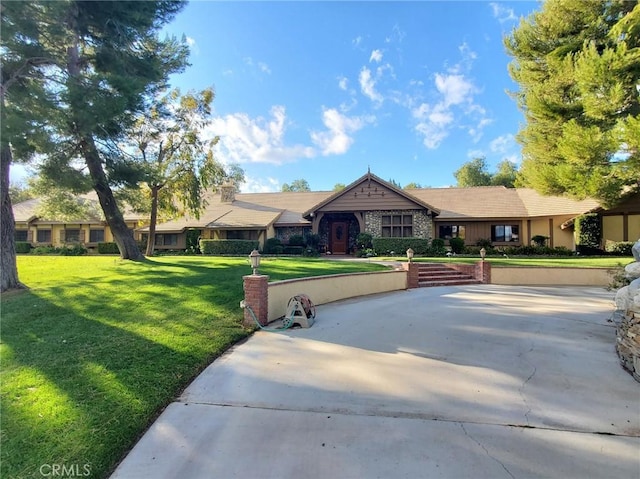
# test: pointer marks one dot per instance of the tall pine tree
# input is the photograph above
(578, 67)
(97, 63)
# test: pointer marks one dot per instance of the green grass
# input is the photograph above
(97, 346)
(546, 262)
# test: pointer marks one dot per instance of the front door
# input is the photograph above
(339, 237)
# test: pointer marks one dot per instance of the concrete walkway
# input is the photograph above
(480, 381)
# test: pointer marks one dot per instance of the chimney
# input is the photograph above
(227, 192)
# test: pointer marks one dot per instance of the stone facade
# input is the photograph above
(627, 318)
(422, 222)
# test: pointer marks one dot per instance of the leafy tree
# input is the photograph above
(19, 193)
(339, 187)
(96, 64)
(473, 173)
(578, 68)
(179, 162)
(412, 185)
(506, 174)
(297, 185)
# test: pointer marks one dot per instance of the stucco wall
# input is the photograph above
(325, 289)
(551, 276)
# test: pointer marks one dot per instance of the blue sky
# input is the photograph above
(324, 90)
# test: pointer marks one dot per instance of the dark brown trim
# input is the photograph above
(551, 232)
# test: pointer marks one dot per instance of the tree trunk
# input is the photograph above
(121, 234)
(153, 220)
(8, 267)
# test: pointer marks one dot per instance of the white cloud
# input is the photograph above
(376, 56)
(343, 83)
(337, 139)
(368, 86)
(259, 185)
(502, 144)
(264, 68)
(502, 13)
(455, 89)
(356, 42)
(255, 140)
(193, 46)
(475, 154)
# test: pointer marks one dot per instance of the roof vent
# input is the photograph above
(227, 193)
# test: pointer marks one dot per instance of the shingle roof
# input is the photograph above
(498, 202)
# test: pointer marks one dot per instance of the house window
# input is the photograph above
(22, 235)
(397, 226)
(96, 236)
(451, 231)
(71, 236)
(505, 233)
(242, 234)
(44, 236)
(167, 240)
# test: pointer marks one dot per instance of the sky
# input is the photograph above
(323, 91)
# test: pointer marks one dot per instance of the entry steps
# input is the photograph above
(436, 274)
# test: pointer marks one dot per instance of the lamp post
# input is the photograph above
(483, 253)
(409, 254)
(254, 257)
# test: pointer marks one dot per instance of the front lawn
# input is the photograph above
(545, 262)
(94, 350)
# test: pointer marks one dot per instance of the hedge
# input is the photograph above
(23, 246)
(617, 248)
(399, 246)
(108, 248)
(230, 247)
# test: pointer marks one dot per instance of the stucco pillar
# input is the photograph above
(412, 270)
(256, 297)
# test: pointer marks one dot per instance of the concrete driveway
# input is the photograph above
(479, 381)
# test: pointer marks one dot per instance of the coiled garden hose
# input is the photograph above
(286, 322)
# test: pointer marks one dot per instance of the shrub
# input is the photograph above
(228, 247)
(75, 250)
(539, 240)
(296, 240)
(420, 246)
(588, 234)
(364, 241)
(457, 245)
(273, 246)
(617, 248)
(108, 248)
(313, 241)
(310, 252)
(23, 247)
(437, 247)
(44, 250)
(484, 243)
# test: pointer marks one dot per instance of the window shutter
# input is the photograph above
(81, 236)
(62, 236)
(30, 236)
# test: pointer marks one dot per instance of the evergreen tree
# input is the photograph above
(179, 162)
(577, 64)
(506, 174)
(96, 63)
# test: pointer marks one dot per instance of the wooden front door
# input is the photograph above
(339, 237)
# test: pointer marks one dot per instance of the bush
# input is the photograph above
(23, 247)
(539, 240)
(616, 248)
(273, 246)
(313, 241)
(75, 250)
(228, 247)
(457, 245)
(44, 250)
(364, 241)
(484, 243)
(588, 232)
(420, 246)
(437, 247)
(108, 248)
(296, 240)
(310, 252)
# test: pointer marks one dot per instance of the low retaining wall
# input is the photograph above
(325, 289)
(532, 276)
